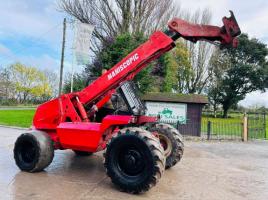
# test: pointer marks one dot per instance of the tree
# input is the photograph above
(42, 88)
(114, 52)
(115, 17)
(24, 84)
(79, 83)
(53, 81)
(177, 69)
(141, 18)
(170, 77)
(200, 54)
(24, 78)
(29, 82)
(7, 87)
(216, 72)
(244, 71)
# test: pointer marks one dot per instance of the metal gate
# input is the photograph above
(257, 126)
(227, 129)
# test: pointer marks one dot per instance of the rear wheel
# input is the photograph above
(33, 151)
(172, 142)
(82, 153)
(134, 160)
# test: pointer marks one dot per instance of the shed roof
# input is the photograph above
(178, 98)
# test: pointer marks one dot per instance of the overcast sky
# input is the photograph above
(31, 31)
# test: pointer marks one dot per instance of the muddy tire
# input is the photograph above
(172, 142)
(134, 160)
(33, 151)
(82, 153)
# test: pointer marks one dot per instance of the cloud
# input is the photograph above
(255, 98)
(251, 15)
(43, 62)
(215, 6)
(31, 33)
(4, 50)
(31, 19)
(256, 24)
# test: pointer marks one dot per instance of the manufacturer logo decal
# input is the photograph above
(127, 63)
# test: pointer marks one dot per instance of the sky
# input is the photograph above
(31, 31)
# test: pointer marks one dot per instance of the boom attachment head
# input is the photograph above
(226, 34)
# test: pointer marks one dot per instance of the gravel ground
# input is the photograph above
(209, 170)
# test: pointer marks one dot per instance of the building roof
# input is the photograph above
(178, 98)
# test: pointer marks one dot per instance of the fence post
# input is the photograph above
(209, 130)
(245, 128)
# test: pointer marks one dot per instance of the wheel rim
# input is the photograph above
(131, 161)
(166, 144)
(27, 152)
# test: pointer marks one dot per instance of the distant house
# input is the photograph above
(178, 109)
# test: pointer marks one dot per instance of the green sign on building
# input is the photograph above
(172, 112)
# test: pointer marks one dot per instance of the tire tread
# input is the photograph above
(156, 150)
(177, 153)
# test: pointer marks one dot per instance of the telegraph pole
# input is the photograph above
(73, 58)
(62, 56)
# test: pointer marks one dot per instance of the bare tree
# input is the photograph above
(200, 54)
(6, 85)
(52, 80)
(216, 71)
(113, 17)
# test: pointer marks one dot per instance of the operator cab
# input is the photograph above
(125, 102)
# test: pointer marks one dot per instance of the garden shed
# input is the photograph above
(181, 110)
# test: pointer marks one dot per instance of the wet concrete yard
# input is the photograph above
(213, 170)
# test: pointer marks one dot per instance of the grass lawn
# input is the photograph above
(20, 118)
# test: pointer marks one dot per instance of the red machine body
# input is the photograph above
(66, 118)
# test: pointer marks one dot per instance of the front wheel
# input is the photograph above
(172, 142)
(134, 160)
(33, 151)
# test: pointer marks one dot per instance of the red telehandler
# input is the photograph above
(137, 147)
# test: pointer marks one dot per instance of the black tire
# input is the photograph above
(82, 153)
(134, 160)
(172, 142)
(33, 151)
